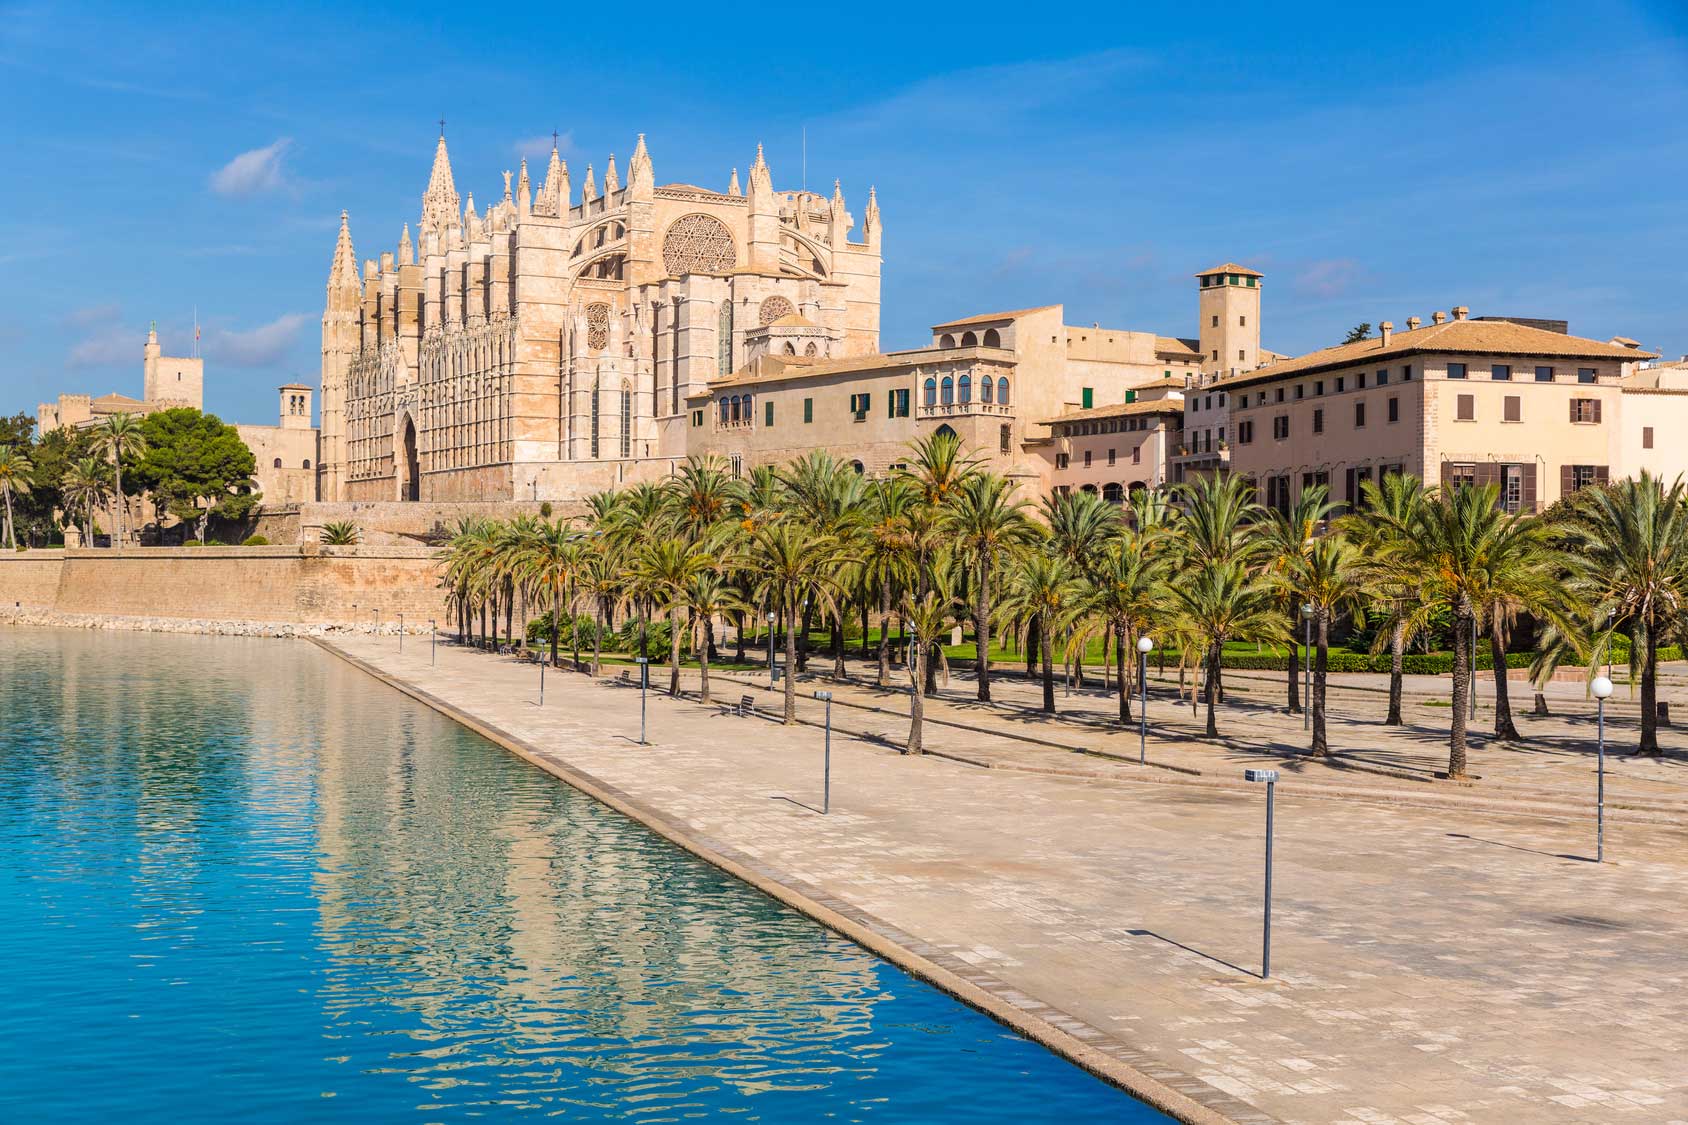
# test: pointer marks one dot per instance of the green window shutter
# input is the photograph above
(1087, 397)
(808, 410)
(1130, 396)
(767, 413)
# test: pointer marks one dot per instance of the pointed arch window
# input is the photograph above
(595, 390)
(626, 419)
(723, 340)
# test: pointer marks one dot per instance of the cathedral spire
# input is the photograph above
(407, 254)
(556, 191)
(589, 190)
(439, 202)
(344, 269)
(640, 175)
(612, 183)
(733, 185)
(839, 224)
(761, 180)
(471, 221)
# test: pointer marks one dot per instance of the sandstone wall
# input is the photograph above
(306, 584)
(411, 523)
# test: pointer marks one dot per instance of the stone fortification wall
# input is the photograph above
(304, 584)
(411, 522)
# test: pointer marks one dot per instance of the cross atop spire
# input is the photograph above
(439, 202)
(442, 128)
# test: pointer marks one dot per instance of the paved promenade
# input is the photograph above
(1430, 964)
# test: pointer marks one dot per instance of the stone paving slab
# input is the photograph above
(1429, 965)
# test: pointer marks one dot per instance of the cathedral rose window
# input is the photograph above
(597, 327)
(774, 308)
(698, 244)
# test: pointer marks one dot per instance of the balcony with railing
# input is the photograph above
(961, 409)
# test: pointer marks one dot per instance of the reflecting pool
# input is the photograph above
(240, 880)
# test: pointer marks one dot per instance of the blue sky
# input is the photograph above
(1522, 159)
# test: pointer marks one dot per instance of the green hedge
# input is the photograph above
(1413, 663)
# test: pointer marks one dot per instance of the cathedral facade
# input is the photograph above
(545, 348)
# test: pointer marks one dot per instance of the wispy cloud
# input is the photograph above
(1328, 278)
(541, 146)
(264, 346)
(254, 172)
(92, 316)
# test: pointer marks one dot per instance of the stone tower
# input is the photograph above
(170, 380)
(1230, 318)
(341, 340)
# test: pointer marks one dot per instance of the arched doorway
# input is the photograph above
(409, 469)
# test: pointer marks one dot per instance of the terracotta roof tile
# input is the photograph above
(1121, 410)
(1231, 267)
(985, 317)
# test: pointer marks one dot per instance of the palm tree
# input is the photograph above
(1327, 575)
(1221, 599)
(1467, 555)
(790, 563)
(986, 522)
(1219, 520)
(1128, 595)
(84, 486)
(1044, 594)
(340, 533)
(666, 570)
(938, 466)
(548, 560)
(886, 558)
(1288, 540)
(928, 617)
(1379, 530)
(702, 496)
(709, 596)
(15, 468)
(119, 435)
(1626, 565)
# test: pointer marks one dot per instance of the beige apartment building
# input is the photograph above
(1654, 418)
(1535, 411)
(1000, 381)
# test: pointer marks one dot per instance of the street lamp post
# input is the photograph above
(1145, 644)
(826, 761)
(1602, 687)
(1307, 663)
(644, 679)
(770, 651)
(1270, 777)
(401, 632)
(433, 639)
(542, 682)
(1474, 668)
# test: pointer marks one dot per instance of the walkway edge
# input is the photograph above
(976, 989)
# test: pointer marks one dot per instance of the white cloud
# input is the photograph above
(264, 346)
(536, 147)
(92, 316)
(1327, 278)
(106, 347)
(254, 172)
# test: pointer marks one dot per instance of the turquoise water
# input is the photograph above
(240, 880)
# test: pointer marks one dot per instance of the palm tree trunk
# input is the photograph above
(916, 706)
(1294, 668)
(790, 669)
(1123, 685)
(598, 641)
(863, 653)
(1321, 745)
(929, 663)
(802, 664)
(11, 536)
(556, 621)
(117, 501)
(1033, 645)
(738, 630)
(1397, 652)
(1213, 687)
(982, 631)
(1048, 671)
(1462, 688)
(703, 658)
(838, 644)
(574, 631)
(884, 635)
(1649, 697)
(1505, 729)
(674, 651)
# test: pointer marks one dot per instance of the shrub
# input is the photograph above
(340, 533)
(545, 509)
(255, 541)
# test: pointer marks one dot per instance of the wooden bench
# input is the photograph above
(622, 678)
(745, 706)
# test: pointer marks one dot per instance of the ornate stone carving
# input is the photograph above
(698, 244)
(774, 308)
(597, 327)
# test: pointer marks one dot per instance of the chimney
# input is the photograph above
(1461, 312)
(1412, 323)
(1388, 330)
(1438, 317)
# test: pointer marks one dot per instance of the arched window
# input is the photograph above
(993, 338)
(859, 467)
(1113, 493)
(749, 412)
(1090, 488)
(931, 392)
(790, 348)
(596, 388)
(278, 462)
(307, 462)
(966, 388)
(985, 389)
(948, 390)
(809, 348)
(734, 417)
(724, 340)
(968, 340)
(724, 412)
(1002, 391)
(626, 419)
(946, 341)
(945, 429)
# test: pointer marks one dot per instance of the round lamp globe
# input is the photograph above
(1602, 687)
(1145, 644)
